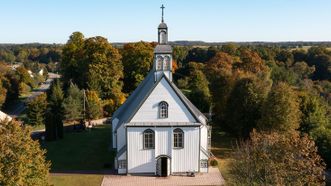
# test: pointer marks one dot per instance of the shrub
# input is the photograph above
(213, 162)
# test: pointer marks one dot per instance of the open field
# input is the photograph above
(87, 150)
(80, 158)
(76, 180)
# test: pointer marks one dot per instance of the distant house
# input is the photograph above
(4, 116)
(30, 73)
(41, 72)
(158, 130)
(15, 65)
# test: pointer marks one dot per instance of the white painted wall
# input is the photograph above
(204, 137)
(139, 160)
(149, 111)
(163, 143)
(182, 160)
(187, 159)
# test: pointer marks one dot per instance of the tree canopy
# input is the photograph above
(22, 162)
(281, 111)
(277, 159)
(137, 59)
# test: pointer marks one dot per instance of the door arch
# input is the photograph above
(163, 165)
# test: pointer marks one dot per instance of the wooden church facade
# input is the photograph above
(158, 130)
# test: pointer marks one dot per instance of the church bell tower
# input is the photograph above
(162, 52)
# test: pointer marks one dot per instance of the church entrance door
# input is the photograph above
(164, 166)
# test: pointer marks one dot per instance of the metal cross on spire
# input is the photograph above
(162, 7)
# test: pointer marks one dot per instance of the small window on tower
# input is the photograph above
(159, 63)
(166, 63)
(163, 37)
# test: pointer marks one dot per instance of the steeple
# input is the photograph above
(162, 52)
(162, 30)
(162, 7)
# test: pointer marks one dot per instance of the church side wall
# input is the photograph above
(204, 137)
(140, 160)
(121, 141)
(114, 124)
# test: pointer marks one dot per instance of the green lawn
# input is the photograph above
(87, 150)
(76, 180)
(222, 147)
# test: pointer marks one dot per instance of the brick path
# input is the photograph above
(214, 177)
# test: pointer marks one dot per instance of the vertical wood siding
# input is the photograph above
(187, 158)
(148, 112)
(142, 161)
(163, 141)
(139, 160)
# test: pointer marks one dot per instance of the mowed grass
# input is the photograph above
(222, 148)
(76, 180)
(79, 151)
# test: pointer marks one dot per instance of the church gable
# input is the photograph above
(149, 111)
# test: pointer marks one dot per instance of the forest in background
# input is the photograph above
(271, 87)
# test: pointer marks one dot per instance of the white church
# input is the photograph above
(157, 130)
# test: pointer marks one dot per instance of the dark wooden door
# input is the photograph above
(164, 166)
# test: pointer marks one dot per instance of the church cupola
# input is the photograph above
(162, 30)
(163, 52)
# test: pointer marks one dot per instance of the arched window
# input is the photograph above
(166, 63)
(178, 138)
(148, 139)
(159, 61)
(163, 109)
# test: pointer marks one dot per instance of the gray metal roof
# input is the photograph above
(162, 25)
(163, 49)
(121, 151)
(161, 124)
(125, 113)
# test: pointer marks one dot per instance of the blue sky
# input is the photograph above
(44, 21)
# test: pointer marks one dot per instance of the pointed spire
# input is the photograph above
(162, 7)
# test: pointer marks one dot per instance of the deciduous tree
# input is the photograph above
(243, 108)
(94, 107)
(198, 85)
(281, 111)
(3, 91)
(137, 59)
(314, 113)
(105, 70)
(22, 162)
(277, 159)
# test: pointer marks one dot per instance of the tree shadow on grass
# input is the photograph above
(222, 143)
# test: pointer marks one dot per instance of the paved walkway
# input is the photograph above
(214, 177)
